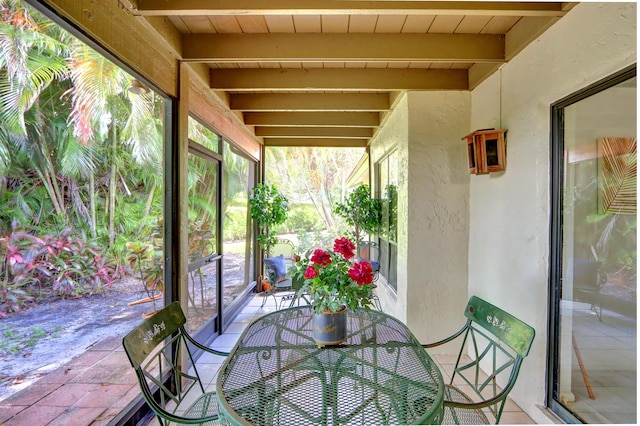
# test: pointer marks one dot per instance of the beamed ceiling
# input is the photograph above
(327, 72)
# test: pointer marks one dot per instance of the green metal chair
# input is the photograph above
(156, 349)
(496, 341)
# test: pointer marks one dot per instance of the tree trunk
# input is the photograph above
(113, 176)
(82, 213)
(45, 171)
(315, 204)
(46, 181)
(147, 207)
(92, 206)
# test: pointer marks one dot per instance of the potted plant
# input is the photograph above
(269, 208)
(361, 211)
(335, 283)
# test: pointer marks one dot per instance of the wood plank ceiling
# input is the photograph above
(327, 72)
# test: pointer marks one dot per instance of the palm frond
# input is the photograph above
(95, 81)
(617, 172)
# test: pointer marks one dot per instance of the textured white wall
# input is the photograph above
(433, 212)
(509, 228)
(438, 203)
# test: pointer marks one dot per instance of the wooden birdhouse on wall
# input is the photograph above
(486, 151)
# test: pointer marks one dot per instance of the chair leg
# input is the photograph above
(265, 296)
(585, 377)
(597, 310)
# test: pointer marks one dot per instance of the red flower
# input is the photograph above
(361, 272)
(345, 247)
(321, 257)
(310, 272)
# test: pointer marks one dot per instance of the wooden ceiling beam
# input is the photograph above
(315, 132)
(520, 36)
(368, 79)
(345, 7)
(310, 101)
(329, 47)
(317, 142)
(313, 119)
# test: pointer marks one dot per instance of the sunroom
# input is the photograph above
(540, 235)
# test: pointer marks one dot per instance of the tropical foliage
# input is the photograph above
(315, 180)
(61, 262)
(79, 153)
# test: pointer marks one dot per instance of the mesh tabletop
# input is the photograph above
(276, 374)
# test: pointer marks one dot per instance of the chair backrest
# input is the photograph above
(282, 247)
(154, 349)
(498, 342)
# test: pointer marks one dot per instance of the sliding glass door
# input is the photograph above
(239, 175)
(220, 244)
(201, 291)
(593, 357)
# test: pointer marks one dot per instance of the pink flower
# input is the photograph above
(310, 272)
(361, 272)
(15, 258)
(321, 257)
(345, 247)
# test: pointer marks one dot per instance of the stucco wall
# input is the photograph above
(438, 213)
(509, 228)
(433, 190)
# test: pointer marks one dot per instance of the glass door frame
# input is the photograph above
(205, 333)
(556, 235)
(226, 315)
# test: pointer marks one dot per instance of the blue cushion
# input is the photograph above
(278, 265)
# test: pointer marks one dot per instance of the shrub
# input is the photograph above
(235, 223)
(62, 264)
(302, 217)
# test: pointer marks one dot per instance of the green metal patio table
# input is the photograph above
(276, 374)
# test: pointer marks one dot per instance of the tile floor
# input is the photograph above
(608, 352)
(95, 387)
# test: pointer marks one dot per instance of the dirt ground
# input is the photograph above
(62, 330)
(57, 331)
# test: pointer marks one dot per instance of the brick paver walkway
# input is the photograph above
(89, 390)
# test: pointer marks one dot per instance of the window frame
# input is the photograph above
(557, 159)
(388, 248)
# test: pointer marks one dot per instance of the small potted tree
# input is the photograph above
(361, 211)
(269, 208)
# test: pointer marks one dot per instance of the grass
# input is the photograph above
(15, 341)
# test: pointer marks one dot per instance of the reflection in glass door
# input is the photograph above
(594, 273)
(238, 263)
(201, 294)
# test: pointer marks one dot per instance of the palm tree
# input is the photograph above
(64, 111)
(31, 60)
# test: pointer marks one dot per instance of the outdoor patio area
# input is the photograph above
(95, 387)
